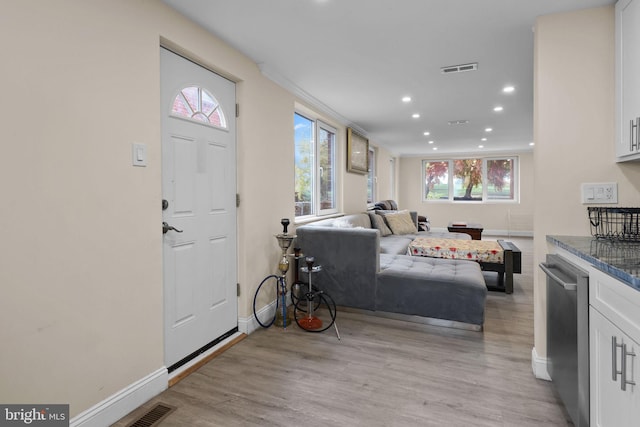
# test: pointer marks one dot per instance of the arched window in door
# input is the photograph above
(197, 104)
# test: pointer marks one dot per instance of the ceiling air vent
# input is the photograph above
(459, 68)
(458, 122)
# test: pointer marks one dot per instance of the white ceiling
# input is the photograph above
(356, 59)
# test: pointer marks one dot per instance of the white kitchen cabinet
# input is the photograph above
(627, 80)
(610, 404)
(614, 334)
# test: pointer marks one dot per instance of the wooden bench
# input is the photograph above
(502, 257)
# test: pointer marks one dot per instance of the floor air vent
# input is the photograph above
(459, 68)
(154, 416)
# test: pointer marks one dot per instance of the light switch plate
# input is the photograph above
(139, 154)
(600, 193)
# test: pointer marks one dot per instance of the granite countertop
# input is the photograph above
(617, 258)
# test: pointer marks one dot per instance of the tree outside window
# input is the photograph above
(315, 167)
(471, 179)
(500, 179)
(467, 184)
(304, 138)
(436, 180)
(326, 145)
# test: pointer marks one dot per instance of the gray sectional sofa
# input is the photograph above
(363, 270)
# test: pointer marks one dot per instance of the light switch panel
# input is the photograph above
(139, 154)
(601, 192)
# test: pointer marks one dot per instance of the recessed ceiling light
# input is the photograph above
(430, 142)
(532, 144)
(426, 133)
(483, 139)
(498, 108)
(406, 99)
(435, 148)
(488, 129)
(480, 146)
(508, 89)
(416, 116)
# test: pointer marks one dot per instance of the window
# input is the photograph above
(315, 167)
(392, 178)
(197, 104)
(371, 177)
(436, 179)
(470, 180)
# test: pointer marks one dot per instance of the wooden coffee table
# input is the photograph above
(473, 229)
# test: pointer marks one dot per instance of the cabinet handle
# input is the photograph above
(614, 359)
(637, 133)
(623, 363)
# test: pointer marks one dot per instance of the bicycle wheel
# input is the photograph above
(266, 297)
(321, 317)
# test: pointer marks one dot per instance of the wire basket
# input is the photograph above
(615, 223)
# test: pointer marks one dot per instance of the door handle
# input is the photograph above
(556, 279)
(166, 227)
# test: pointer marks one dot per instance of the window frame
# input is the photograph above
(372, 179)
(316, 198)
(317, 190)
(485, 200)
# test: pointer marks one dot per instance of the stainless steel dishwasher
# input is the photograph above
(568, 335)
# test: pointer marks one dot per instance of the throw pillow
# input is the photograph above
(378, 223)
(400, 222)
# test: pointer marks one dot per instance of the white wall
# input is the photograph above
(81, 313)
(500, 218)
(574, 131)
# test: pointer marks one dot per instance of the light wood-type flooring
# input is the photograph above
(383, 372)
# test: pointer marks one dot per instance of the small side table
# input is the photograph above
(473, 229)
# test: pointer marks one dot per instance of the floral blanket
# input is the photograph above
(474, 250)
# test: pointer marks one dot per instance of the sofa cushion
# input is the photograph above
(400, 222)
(433, 287)
(377, 222)
(395, 244)
(359, 220)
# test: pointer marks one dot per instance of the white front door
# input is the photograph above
(199, 210)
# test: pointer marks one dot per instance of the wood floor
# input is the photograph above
(382, 373)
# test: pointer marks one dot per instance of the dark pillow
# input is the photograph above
(377, 222)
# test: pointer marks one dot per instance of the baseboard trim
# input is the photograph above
(539, 366)
(248, 325)
(123, 402)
